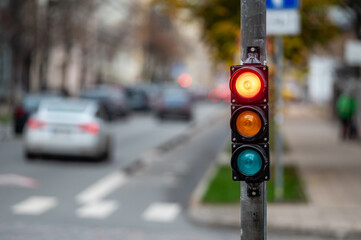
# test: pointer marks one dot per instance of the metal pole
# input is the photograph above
(278, 117)
(254, 213)
(253, 33)
(253, 27)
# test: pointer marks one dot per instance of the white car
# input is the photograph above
(68, 127)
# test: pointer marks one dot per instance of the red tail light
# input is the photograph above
(19, 112)
(92, 128)
(34, 124)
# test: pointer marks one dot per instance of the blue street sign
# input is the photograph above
(282, 4)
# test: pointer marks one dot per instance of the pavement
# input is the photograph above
(56, 198)
(331, 173)
(5, 131)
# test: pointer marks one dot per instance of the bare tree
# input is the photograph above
(162, 46)
(70, 28)
(19, 27)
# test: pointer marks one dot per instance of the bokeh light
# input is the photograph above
(223, 92)
(212, 96)
(185, 80)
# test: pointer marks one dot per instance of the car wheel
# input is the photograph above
(18, 130)
(125, 114)
(106, 156)
(160, 116)
(189, 118)
(30, 156)
(98, 158)
(107, 151)
(102, 156)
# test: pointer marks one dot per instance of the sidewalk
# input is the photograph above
(5, 131)
(331, 172)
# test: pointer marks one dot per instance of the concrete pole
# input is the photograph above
(253, 33)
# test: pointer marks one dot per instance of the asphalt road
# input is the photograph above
(141, 194)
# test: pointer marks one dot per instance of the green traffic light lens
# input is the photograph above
(249, 162)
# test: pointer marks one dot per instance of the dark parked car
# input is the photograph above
(27, 107)
(138, 99)
(113, 99)
(174, 103)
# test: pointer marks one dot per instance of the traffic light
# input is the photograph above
(249, 122)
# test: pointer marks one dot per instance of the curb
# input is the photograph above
(207, 214)
(228, 216)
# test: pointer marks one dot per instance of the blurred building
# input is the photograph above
(321, 78)
(127, 52)
(69, 45)
(5, 56)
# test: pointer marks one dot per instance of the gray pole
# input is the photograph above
(278, 117)
(253, 33)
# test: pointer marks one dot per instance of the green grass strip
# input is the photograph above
(4, 119)
(222, 190)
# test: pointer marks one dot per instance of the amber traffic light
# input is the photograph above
(248, 123)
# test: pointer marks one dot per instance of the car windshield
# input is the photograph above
(173, 96)
(94, 94)
(102, 93)
(32, 102)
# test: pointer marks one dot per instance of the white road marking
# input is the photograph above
(161, 212)
(99, 210)
(102, 188)
(35, 205)
(10, 179)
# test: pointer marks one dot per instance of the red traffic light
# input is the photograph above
(248, 83)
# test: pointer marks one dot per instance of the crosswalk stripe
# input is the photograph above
(102, 188)
(161, 212)
(34, 205)
(99, 210)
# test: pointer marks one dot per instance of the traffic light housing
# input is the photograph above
(249, 122)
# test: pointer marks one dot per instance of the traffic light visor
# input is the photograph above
(248, 84)
(249, 162)
(248, 123)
